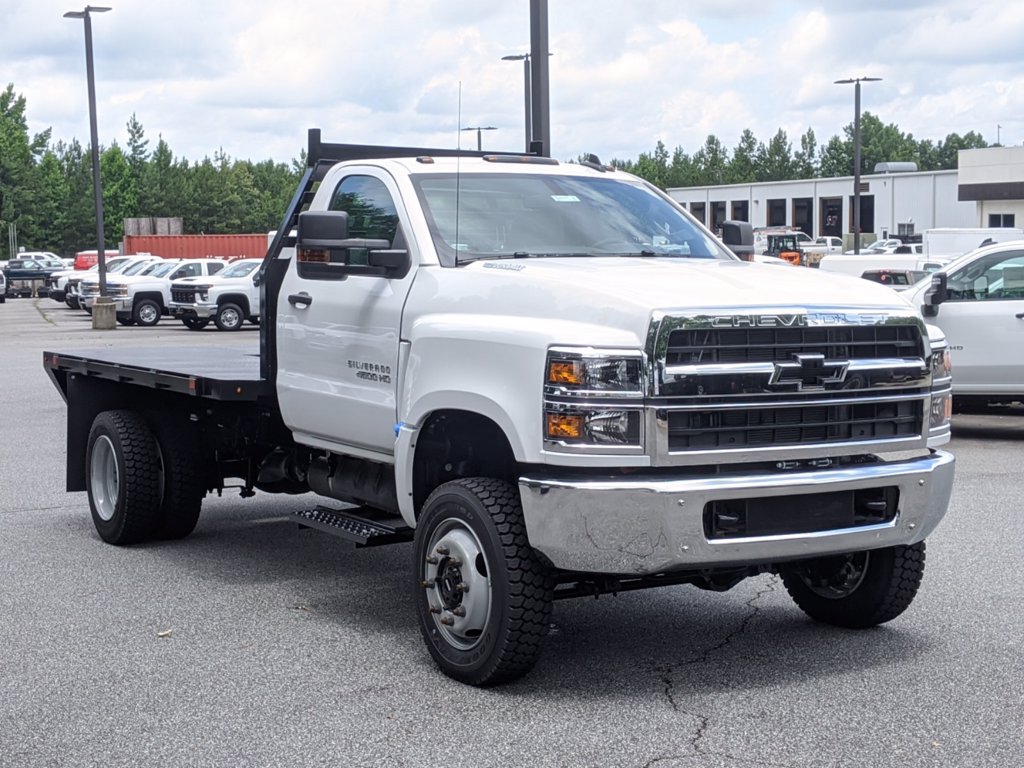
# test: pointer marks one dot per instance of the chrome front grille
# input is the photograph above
(792, 424)
(780, 386)
(745, 345)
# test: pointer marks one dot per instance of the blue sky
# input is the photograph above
(250, 76)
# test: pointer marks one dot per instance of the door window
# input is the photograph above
(994, 277)
(371, 212)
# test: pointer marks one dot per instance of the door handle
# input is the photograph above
(300, 299)
(1020, 315)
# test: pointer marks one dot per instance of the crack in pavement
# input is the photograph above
(666, 676)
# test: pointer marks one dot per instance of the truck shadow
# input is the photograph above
(669, 642)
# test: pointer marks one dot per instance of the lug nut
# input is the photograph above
(462, 587)
(442, 549)
(434, 609)
(455, 561)
(447, 621)
(431, 560)
(427, 584)
(458, 610)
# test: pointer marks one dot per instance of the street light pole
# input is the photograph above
(94, 138)
(527, 92)
(856, 152)
(478, 129)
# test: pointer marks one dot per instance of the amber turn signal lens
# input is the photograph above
(561, 426)
(565, 372)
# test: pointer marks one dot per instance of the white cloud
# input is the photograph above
(250, 76)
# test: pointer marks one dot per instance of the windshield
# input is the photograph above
(161, 270)
(241, 269)
(518, 215)
(137, 267)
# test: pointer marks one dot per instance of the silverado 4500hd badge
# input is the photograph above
(371, 371)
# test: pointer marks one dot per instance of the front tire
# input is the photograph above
(482, 594)
(858, 590)
(123, 477)
(146, 312)
(230, 317)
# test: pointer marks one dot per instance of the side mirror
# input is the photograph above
(322, 230)
(935, 295)
(391, 259)
(322, 250)
(738, 236)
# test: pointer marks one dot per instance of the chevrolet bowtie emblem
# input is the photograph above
(809, 371)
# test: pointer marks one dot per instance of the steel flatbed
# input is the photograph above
(227, 373)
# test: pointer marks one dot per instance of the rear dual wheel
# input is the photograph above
(142, 482)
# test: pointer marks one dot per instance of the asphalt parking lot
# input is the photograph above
(256, 643)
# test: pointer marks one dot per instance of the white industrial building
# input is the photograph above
(986, 191)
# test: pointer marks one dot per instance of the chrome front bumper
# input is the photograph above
(205, 311)
(637, 524)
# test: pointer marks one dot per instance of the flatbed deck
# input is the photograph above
(214, 372)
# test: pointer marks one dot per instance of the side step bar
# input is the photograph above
(364, 527)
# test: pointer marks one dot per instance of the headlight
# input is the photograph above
(942, 363)
(587, 371)
(591, 399)
(585, 426)
(942, 389)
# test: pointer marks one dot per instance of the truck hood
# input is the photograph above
(622, 293)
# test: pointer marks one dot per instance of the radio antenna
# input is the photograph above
(458, 171)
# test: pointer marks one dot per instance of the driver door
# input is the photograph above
(338, 339)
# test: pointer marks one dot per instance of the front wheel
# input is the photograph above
(229, 317)
(483, 595)
(146, 312)
(857, 590)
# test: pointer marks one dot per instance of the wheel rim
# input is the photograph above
(230, 318)
(106, 481)
(836, 578)
(148, 314)
(456, 577)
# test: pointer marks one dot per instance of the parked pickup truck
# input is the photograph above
(25, 274)
(58, 282)
(143, 298)
(819, 248)
(555, 383)
(229, 298)
(978, 301)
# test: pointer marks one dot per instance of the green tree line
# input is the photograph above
(753, 161)
(46, 188)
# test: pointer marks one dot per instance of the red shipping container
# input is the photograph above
(198, 246)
